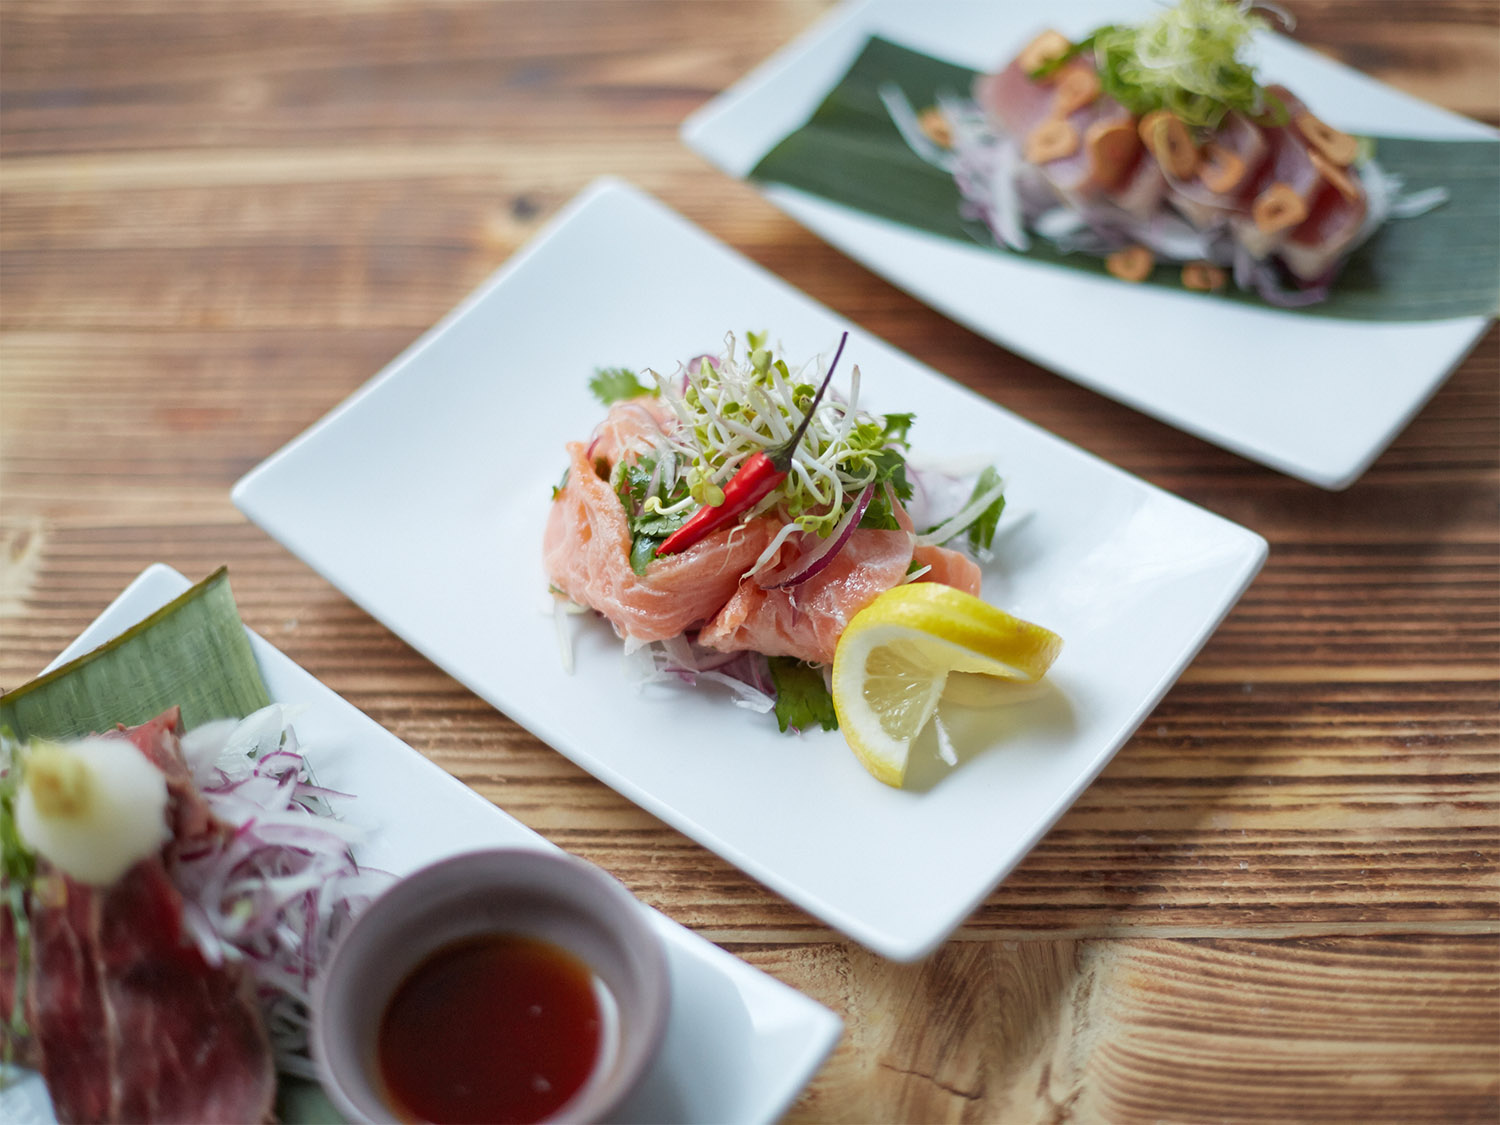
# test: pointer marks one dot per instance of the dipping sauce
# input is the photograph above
(497, 1027)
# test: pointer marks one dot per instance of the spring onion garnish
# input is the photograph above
(93, 808)
(1187, 60)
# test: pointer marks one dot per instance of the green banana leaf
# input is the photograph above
(192, 653)
(1436, 266)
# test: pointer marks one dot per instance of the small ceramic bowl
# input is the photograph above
(550, 896)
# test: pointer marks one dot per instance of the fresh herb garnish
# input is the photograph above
(802, 698)
(891, 485)
(978, 517)
(744, 403)
(896, 427)
(642, 489)
(982, 530)
(615, 384)
(1186, 60)
(890, 475)
(759, 476)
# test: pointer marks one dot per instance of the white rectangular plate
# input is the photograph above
(739, 1046)
(1314, 397)
(423, 498)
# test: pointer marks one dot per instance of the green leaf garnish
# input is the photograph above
(982, 530)
(615, 384)
(633, 483)
(1186, 60)
(642, 551)
(890, 481)
(896, 427)
(802, 698)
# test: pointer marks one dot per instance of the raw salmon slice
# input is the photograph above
(708, 587)
(948, 568)
(807, 620)
(631, 428)
(586, 553)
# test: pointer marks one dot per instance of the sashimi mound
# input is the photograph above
(1156, 145)
(586, 552)
(732, 518)
(806, 621)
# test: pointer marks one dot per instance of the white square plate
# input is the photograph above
(740, 1045)
(1317, 398)
(424, 495)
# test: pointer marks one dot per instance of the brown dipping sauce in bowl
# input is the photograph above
(512, 985)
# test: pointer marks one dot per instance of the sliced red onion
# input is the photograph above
(679, 656)
(821, 551)
(679, 660)
(940, 488)
(280, 887)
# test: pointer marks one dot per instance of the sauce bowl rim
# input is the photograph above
(575, 886)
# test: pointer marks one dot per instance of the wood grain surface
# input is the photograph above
(1280, 901)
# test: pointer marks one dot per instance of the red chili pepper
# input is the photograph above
(751, 483)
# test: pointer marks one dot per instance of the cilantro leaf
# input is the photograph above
(642, 551)
(632, 481)
(614, 384)
(879, 515)
(896, 427)
(802, 698)
(890, 478)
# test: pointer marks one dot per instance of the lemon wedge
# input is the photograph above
(895, 656)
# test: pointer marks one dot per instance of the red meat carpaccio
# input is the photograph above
(124, 1016)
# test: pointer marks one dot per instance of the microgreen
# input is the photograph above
(749, 401)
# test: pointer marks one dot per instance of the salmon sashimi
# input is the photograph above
(586, 553)
(630, 429)
(948, 567)
(806, 620)
(732, 521)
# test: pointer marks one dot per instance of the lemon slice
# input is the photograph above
(895, 656)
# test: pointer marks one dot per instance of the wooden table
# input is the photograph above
(1279, 903)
